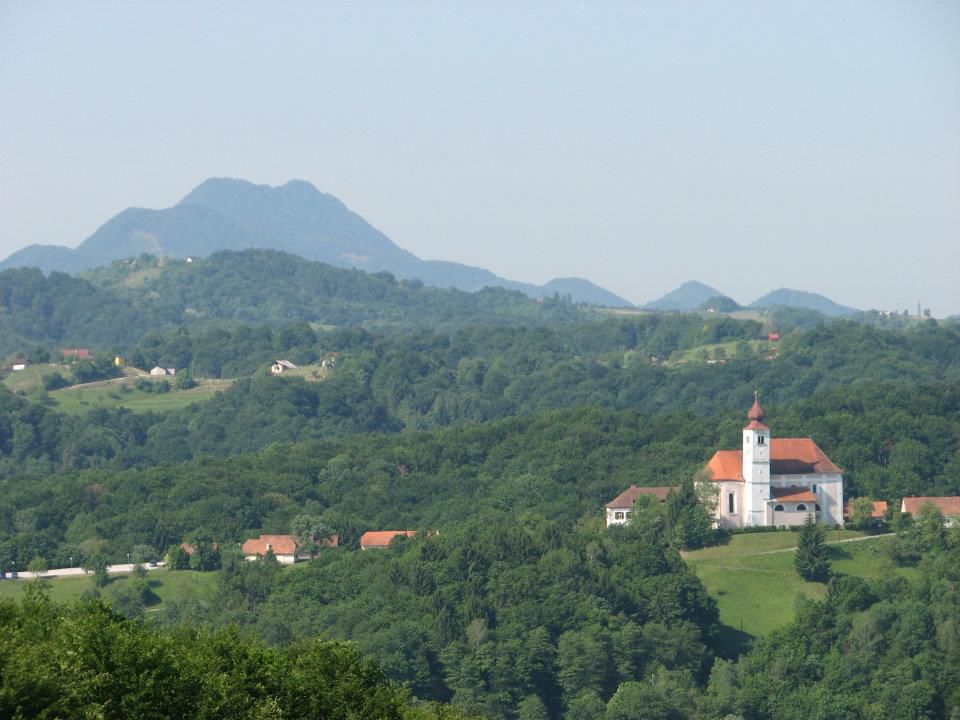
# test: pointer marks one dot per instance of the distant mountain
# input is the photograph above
(720, 303)
(686, 298)
(801, 299)
(230, 214)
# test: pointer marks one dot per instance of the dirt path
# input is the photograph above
(832, 542)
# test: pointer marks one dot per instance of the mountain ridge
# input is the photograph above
(296, 217)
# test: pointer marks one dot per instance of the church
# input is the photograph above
(774, 481)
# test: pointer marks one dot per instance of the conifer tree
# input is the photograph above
(810, 559)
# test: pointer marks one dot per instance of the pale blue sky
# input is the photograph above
(749, 145)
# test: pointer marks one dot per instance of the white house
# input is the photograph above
(619, 509)
(774, 482)
(285, 548)
(948, 505)
(281, 366)
(159, 371)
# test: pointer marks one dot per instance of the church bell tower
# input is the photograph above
(756, 466)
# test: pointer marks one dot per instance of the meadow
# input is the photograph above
(755, 584)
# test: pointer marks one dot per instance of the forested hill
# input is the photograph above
(269, 286)
(231, 214)
(114, 306)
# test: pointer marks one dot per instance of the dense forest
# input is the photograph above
(497, 427)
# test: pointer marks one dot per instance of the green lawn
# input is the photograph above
(729, 348)
(80, 401)
(31, 377)
(166, 584)
(755, 588)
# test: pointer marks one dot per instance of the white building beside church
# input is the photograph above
(774, 482)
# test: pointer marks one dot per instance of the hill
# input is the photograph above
(231, 214)
(801, 299)
(686, 298)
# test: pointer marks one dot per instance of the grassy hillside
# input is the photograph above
(77, 401)
(754, 581)
(166, 584)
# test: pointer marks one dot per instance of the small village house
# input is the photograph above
(878, 513)
(948, 505)
(379, 539)
(281, 366)
(77, 353)
(162, 372)
(19, 364)
(285, 548)
(619, 509)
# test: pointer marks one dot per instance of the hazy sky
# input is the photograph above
(749, 145)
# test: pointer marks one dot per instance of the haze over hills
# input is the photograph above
(692, 296)
(686, 298)
(801, 299)
(231, 214)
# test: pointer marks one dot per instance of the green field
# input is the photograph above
(729, 350)
(168, 585)
(31, 377)
(83, 400)
(754, 581)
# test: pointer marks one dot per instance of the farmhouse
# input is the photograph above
(378, 539)
(879, 511)
(619, 509)
(949, 506)
(79, 353)
(774, 482)
(281, 366)
(285, 548)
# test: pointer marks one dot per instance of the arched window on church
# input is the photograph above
(801, 507)
(778, 508)
(760, 439)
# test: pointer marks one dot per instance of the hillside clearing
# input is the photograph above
(77, 401)
(754, 581)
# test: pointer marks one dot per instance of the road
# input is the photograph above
(72, 571)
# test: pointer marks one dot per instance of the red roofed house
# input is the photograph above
(285, 548)
(879, 511)
(80, 353)
(775, 482)
(949, 506)
(618, 509)
(377, 539)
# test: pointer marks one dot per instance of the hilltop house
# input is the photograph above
(378, 539)
(281, 366)
(285, 548)
(774, 482)
(948, 505)
(619, 509)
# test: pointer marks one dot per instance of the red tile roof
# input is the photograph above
(76, 352)
(788, 456)
(628, 497)
(878, 513)
(755, 412)
(793, 494)
(278, 544)
(948, 505)
(382, 538)
(190, 549)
